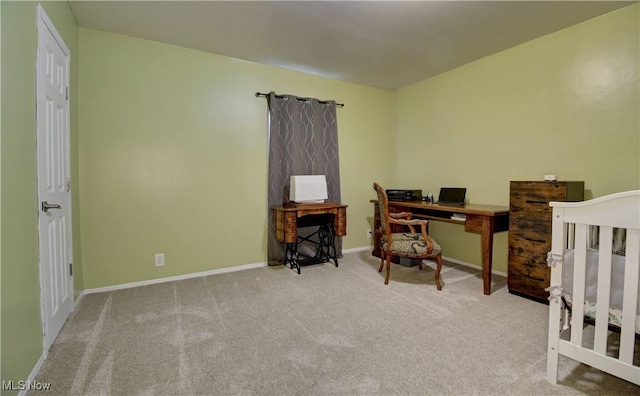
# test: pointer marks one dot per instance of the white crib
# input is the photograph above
(607, 301)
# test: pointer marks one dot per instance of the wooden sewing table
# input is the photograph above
(331, 219)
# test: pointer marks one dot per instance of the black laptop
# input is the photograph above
(452, 196)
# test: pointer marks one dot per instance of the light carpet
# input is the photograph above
(327, 331)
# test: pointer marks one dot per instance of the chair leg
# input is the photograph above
(386, 279)
(384, 256)
(438, 268)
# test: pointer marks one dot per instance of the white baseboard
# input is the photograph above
(79, 299)
(172, 278)
(358, 249)
(31, 379)
(478, 267)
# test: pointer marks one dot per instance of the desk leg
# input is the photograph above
(291, 256)
(487, 252)
(327, 248)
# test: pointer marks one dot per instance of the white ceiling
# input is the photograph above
(384, 44)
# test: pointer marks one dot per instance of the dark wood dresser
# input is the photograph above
(530, 233)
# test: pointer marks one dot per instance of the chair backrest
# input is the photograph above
(383, 206)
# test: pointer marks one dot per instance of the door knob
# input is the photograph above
(46, 206)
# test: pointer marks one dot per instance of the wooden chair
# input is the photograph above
(415, 245)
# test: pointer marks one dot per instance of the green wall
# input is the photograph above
(173, 156)
(21, 319)
(565, 104)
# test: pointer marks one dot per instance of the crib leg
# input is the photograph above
(555, 313)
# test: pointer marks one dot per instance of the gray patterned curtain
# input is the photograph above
(303, 140)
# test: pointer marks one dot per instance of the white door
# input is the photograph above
(54, 196)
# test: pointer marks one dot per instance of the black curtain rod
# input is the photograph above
(264, 95)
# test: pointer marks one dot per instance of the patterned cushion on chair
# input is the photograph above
(409, 244)
(405, 236)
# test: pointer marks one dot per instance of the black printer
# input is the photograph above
(404, 195)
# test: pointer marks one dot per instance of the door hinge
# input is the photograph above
(68, 184)
(70, 269)
(67, 93)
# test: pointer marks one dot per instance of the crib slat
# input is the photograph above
(571, 235)
(579, 276)
(604, 290)
(630, 298)
(556, 306)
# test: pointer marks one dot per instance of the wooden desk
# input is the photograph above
(330, 216)
(483, 219)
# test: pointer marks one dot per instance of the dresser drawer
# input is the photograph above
(529, 200)
(538, 213)
(527, 247)
(542, 191)
(530, 238)
(529, 276)
(534, 197)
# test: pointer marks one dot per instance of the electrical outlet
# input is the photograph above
(369, 234)
(159, 261)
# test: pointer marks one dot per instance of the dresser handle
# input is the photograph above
(536, 202)
(535, 240)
